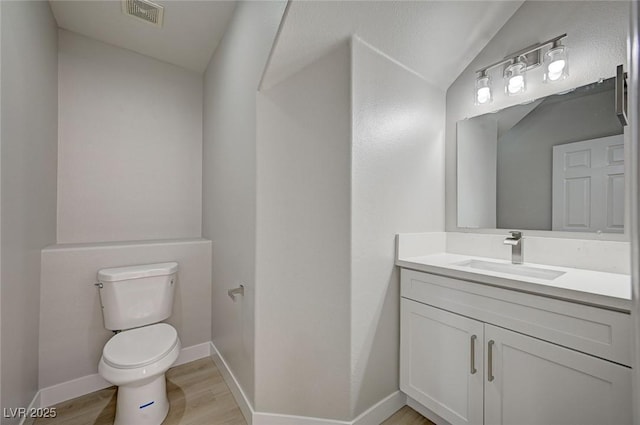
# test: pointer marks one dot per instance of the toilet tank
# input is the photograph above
(136, 296)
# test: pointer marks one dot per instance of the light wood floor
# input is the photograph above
(407, 416)
(197, 394)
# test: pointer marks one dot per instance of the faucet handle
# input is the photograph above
(516, 234)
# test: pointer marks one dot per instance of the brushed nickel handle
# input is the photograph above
(473, 354)
(490, 376)
(621, 95)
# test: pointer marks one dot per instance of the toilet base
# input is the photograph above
(145, 404)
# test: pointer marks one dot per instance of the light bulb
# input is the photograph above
(514, 74)
(482, 93)
(557, 64)
(555, 68)
(515, 84)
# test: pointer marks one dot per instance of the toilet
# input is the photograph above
(134, 301)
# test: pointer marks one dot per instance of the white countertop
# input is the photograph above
(608, 290)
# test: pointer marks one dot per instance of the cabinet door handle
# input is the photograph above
(473, 354)
(490, 376)
(621, 95)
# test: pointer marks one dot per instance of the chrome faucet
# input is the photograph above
(516, 241)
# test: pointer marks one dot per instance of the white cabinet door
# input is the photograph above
(538, 383)
(441, 362)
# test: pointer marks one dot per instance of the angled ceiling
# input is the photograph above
(188, 38)
(436, 39)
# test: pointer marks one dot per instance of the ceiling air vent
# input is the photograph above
(144, 10)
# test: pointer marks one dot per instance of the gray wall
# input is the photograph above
(634, 159)
(344, 146)
(597, 34)
(28, 165)
(130, 145)
(525, 154)
(72, 332)
(1, 365)
(229, 177)
(303, 260)
(397, 186)
(477, 158)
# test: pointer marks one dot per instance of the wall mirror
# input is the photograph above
(556, 163)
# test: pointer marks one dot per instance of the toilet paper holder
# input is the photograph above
(235, 291)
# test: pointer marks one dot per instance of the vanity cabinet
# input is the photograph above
(467, 369)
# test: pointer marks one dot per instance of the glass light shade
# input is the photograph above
(483, 94)
(556, 64)
(515, 81)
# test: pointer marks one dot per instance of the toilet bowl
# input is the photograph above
(136, 361)
(135, 300)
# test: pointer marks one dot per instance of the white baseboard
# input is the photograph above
(35, 403)
(260, 418)
(194, 352)
(380, 411)
(71, 389)
(375, 415)
(241, 398)
(64, 391)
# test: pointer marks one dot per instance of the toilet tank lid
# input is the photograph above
(115, 274)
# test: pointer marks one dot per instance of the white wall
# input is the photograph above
(397, 185)
(72, 332)
(28, 134)
(597, 33)
(229, 177)
(634, 158)
(350, 152)
(0, 205)
(303, 242)
(130, 145)
(477, 151)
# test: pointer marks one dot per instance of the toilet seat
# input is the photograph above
(140, 347)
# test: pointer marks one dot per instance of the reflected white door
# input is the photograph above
(588, 185)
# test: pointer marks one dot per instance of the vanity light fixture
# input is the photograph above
(516, 65)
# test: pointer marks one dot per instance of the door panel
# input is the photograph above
(537, 383)
(615, 202)
(435, 364)
(577, 212)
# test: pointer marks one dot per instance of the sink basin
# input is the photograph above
(515, 269)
